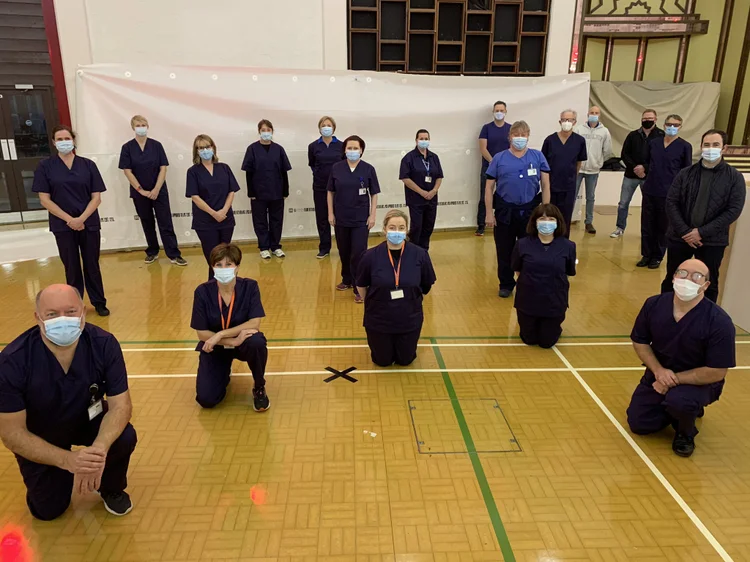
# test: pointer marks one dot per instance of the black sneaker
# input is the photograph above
(654, 264)
(504, 293)
(102, 310)
(261, 403)
(479, 231)
(643, 263)
(683, 445)
(151, 259)
(118, 503)
(179, 260)
(322, 255)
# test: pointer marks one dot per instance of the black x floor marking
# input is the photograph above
(343, 374)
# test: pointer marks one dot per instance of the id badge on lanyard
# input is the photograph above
(96, 407)
(428, 177)
(225, 325)
(397, 293)
(362, 188)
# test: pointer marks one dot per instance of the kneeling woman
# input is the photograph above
(226, 315)
(543, 260)
(393, 277)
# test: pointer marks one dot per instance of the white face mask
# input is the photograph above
(685, 289)
(566, 126)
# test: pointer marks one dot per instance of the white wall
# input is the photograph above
(560, 39)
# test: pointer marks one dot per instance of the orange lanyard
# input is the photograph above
(224, 325)
(396, 271)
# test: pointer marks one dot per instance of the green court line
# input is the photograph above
(484, 485)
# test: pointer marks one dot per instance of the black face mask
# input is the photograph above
(647, 124)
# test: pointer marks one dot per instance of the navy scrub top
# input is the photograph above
(518, 180)
(498, 139)
(57, 403)
(351, 192)
(321, 159)
(266, 171)
(543, 286)
(383, 314)
(145, 164)
(70, 189)
(214, 190)
(415, 167)
(704, 337)
(664, 164)
(563, 160)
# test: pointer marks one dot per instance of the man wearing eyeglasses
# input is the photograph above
(703, 202)
(687, 344)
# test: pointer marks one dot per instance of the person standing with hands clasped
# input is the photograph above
(322, 154)
(494, 138)
(393, 278)
(422, 176)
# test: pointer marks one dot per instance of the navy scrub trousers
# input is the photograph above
(506, 236)
(49, 489)
(352, 243)
(538, 330)
(422, 223)
(566, 202)
(212, 238)
(268, 222)
(146, 208)
(84, 245)
(320, 199)
(654, 223)
(214, 368)
(387, 349)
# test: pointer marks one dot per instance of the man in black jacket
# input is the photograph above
(704, 200)
(635, 157)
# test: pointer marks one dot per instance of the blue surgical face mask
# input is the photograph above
(423, 144)
(326, 131)
(225, 274)
(64, 146)
(519, 143)
(671, 131)
(499, 115)
(141, 131)
(594, 119)
(266, 136)
(206, 153)
(395, 237)
(546, 226)
(711, 154)
(352, 155)
(63, 330)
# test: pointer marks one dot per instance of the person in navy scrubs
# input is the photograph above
(517, 182)
(226, 316)
(352, 204)
(687, 344)
(494, 138)
(543, 262)
(70, 187)
(266, 167)
(393, 278)
(667, 155)
(64, 383)
(565, 152)
(211, 185)
(422, 176)
(322, 154)
(144, 163)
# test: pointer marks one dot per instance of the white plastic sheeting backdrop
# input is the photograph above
(226, 103)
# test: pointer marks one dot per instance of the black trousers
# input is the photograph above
(482, 206)
(74, 247)
(146, 209)
(48, 488)
(680, 251)
(268, 222)
(212, 238)
(387, 349)
(654, 225)
(566, 202)
(506, 236)
(352, 243)
(214, 368)
(422, 223)
(320, 199)
(539, 330)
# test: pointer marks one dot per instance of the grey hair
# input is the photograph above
(573, 111)
(39, 296)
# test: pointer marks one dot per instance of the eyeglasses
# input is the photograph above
(673, 124)
(695, 276)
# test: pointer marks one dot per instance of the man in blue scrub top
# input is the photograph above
(493, 139)
(687, 344)
(517, 182)
(53, 381)
(565, 152)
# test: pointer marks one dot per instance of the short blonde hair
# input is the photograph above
(394, 214)
(204, 138)
(520, 127)
(136, 119)
(327, 118)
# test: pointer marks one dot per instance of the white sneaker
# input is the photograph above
(617, 233)
(265, 254)
(279, 253)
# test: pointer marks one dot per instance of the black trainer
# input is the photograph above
(151, 258)
(479, 231)
(261, 403)
(117, 503)
(643, 263)
(322, 254)
(504, 293)
(102, 310)
(654, 264)
(683, 445)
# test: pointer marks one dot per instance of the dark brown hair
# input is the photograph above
(265, 122)
(722, 134)
(551, 211)
(355, 138)
(224, 250)
(65, 128)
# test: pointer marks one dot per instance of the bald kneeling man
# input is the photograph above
(687, 344)
(53, 381)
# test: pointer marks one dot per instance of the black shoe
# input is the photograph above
(654, 264)
(151, 259)
(179, 260)
(102, 310)
(683, 445)
(118, 503)
(261, 403)
(643, 263)
(504, 293)
(479, 231)
(322, 255)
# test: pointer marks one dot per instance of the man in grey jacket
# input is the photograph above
(702, 203)
(598, 148)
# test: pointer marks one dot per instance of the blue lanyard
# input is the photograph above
(426, 164)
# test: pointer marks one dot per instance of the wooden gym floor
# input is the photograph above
(482, 450)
